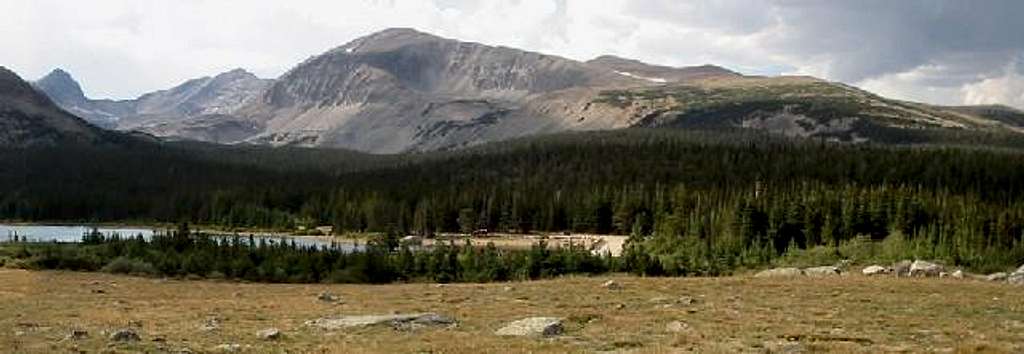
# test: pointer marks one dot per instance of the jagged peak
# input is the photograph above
(60, 85)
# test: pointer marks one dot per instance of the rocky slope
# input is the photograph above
(30, 119)
(400, 90)
(202, 100)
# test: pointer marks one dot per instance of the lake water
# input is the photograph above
(73, 233)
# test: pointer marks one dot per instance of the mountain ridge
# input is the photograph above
(402, 90)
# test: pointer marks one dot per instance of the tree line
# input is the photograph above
(696, 202)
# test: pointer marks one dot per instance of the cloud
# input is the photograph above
(1007, 89)
(939, 51)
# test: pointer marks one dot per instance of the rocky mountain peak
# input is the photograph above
(61, 87)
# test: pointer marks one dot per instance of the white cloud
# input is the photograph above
(1007, 89)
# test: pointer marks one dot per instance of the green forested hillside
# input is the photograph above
(699, 202)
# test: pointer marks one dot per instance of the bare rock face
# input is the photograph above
(29, 119)
(403, 90)
(533, 327)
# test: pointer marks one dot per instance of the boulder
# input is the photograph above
(875, 270)
(533, 326)
(269, 334)
(997, 276)
(902, 268)
(125, 335)
(1016, 278)
(612, 285)
(925, 269)
(396, 321)
(779, 272)
(825, 271)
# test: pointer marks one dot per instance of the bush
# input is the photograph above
(125, 265)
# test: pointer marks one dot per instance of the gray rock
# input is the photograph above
(902, 268)
(396, 321)
(686, 300)
(875, 270)
(779, 272)
(125, 335)
(611, 285)
(533, 326)
(269, 334)
(997, 276)
(228, 348)
(825, 271)
(328, 297)
(1016, 278)
(925, 269)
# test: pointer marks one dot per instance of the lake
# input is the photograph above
(73, 233)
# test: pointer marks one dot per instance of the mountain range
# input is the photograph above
(403, 90)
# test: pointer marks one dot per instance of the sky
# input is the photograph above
(938, 51)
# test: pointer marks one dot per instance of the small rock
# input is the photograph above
(785, 347)
(686, 300)
(825, 271)
(779, 272)
(99, 291)
(875, 270)
(328, 297)
(411, 240)
(125, 335)
(211, 324)
(228, 348)
(958, 274)
(620, 306)
(269, 334)
(677, 326)
(533, 326)
(508, 288)
(611, 285)
(997, 276)
(77, 334)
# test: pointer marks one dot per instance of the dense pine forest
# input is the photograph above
(695, 203)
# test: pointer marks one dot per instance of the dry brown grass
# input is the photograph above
(734, 314)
